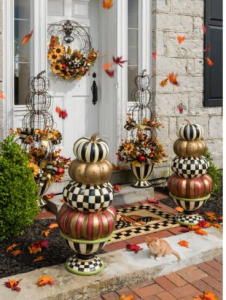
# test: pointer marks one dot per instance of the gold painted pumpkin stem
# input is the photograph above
(189, 123)
(94, 136)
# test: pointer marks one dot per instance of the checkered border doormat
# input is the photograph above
(129, 232)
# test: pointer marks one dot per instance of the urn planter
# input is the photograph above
(142, 174)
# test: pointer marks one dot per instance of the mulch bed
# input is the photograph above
(58, 251)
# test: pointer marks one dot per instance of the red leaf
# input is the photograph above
(180, 108)
(119, 60)
(117, 188)
(111, 73)
(204, 29)
(44, 244)
(184, 230)
(153, 201)
(13, 285)
(173, 79)
(206, 49)
(26, 38)
(209, 61)
(202, 224)
(62, 113)
(134, 248)
(154, 55)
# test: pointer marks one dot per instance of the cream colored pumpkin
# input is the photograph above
(92, 173)
(189, 148)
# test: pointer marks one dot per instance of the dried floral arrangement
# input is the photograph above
(69, 63)
(143, 147)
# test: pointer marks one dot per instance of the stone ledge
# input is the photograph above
(123, 268)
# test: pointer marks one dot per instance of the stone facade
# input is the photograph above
(1, 68)
(170, 19)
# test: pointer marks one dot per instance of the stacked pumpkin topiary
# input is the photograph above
(87, 220)
(190, 186)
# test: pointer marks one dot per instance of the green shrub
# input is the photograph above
(213, 172)
(18, 205)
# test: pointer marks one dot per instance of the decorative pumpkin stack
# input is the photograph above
(86, 219)
(190, 186)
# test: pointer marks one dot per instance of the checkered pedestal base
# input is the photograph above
(188, 220)
(87, 267)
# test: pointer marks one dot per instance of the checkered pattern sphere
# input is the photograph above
(84, 266)
(189, 220)
(90, 198)
(190, 167)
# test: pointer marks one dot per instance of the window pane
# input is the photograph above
(132, 73)
(132, 14)
(22, 9)
(22, 52)
(133, 46)
(21, 76)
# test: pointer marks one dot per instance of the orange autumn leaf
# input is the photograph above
(43, 280)
(209, 61)
(16, 252)
(46, 232)
(184, 243)
(123, 297)
(13, 284)
(39, 258)
(27, 38)
(216, 225)
(180, 39)
(107, 4)
(53, 225)
(201, 232)
(194, 227)
(173, 78)
(206, 296)
(2, 96)
(11, 247)
(220, 218)
(180, 209)
(119, 168)
(107, 66)
(211, 216)
(164, 82)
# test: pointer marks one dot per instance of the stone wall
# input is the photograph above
(170, 19)
(1, 68)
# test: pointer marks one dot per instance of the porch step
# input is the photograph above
(126, 195)
(123, 268)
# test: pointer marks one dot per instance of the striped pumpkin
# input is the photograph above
(190, 188)
(86, 226)
(91, 149)
(190, 132)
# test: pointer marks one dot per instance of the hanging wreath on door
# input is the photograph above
(70, 51)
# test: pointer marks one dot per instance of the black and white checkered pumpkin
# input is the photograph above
(190, 132)
(89, 198)
(190, 167)
(91, 149)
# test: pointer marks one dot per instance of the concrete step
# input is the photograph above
(127, 195)
(122, 268)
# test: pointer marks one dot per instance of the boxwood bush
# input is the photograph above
(18, 205)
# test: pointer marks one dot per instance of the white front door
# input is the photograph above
(72, 95)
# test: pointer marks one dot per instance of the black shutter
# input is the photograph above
(213, 76)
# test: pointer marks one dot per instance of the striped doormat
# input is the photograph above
(140, 220)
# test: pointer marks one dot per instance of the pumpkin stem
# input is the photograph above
(189, 123)
(94, 136)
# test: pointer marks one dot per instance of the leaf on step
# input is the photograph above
(43, 280)
(184, 243)
(217, 225)
(194, 227)
(13, 285)
(201, 232)
(184, 230)
(153, 201)
(134, 248)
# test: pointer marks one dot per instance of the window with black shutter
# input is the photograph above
(213, 76)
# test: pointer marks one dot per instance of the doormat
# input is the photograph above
(139, 220)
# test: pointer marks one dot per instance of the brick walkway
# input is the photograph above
(184, 284)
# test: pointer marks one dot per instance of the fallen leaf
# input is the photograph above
(180, 209)
(206, 296)
(184, 230)
(164, 82)
(2, 96)
(209, 61)
(37, 246)
(107, 66)
(62, 200)
(39, 258)
(119, 61)
(117, 188)
(206, 49)
(180, 39)
(26, 38)
(202, 224)
(119, 168)
(154, 55)
(16, 252)
(173, 78)
(44, 244)
(194, 227)
(123, 297)
(48, 196)
(153, 201)
(134, 248)
(43, 280)
(217, 225)
(11, 247)
(211, 216)
(220, 218)
(111, 73)
(13, 285)
(201, 232)
(53, 225)
(45, 232)
(62, 113)
(107, 4)
(184, 243)
(204, 29)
